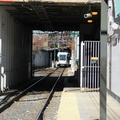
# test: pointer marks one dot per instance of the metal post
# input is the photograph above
(80, 57)
(81, 65)
(54, 53)
(0, 45)
(79, 48)
(103, 59)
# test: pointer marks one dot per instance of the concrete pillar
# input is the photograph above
(103, 59)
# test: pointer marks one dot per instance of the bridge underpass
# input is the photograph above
(19, 18)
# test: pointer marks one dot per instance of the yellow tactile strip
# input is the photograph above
(68, 109)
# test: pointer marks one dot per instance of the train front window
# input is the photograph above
(62, 57)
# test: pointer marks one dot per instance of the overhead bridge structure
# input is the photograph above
(19, 17)
(52, 14)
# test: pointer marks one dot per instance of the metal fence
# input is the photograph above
(90, 65)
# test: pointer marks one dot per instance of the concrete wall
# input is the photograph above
(15, 50)
(113, 76)
(41, 59)
(113, 69)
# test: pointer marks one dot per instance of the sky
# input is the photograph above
(117, 7)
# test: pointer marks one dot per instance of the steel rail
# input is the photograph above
(40, 113)
(7, 97)
(7, 104)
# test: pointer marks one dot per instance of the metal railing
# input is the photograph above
(90, 65)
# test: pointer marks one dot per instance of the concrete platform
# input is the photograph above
(76, 105)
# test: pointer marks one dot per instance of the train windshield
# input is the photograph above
(62, 57)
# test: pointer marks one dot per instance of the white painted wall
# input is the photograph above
(16, 51)
(115, 83)
(113, 63)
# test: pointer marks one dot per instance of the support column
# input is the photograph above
(80, 56)
(103, 59)
(0, 44)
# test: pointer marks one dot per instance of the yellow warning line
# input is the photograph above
(68, 109)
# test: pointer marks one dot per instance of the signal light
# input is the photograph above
(94, 13)
(89, 21)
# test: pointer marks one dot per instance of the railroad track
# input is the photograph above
(40, 113)
(17, 94)
(46, 98)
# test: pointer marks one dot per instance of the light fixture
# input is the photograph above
(87, 15)
(89, 21)
(94, 13)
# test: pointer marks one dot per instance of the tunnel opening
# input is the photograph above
(47, 45)
(18, 19)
